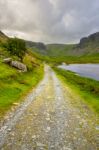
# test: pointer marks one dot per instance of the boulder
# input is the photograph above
(7, 60)
(19, 66)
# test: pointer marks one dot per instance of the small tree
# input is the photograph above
(16, 47)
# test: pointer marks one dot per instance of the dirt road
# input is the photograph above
(49, 120)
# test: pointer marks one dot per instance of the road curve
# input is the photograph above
(49, 120)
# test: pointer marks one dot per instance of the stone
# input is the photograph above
(19, 65)
(40, 144)
(7, 60)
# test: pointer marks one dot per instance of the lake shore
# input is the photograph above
(85, 70)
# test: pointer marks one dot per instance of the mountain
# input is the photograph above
(52, 50)
(88, 45)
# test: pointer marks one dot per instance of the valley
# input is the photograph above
(44, 106)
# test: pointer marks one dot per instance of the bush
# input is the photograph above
(16, 47)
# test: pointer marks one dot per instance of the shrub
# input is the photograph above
(16, 47)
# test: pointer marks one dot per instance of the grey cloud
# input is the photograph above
(63, 21)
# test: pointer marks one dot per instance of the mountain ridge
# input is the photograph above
(87, 45)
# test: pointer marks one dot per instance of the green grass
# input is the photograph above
(87, 88)
(15, 85)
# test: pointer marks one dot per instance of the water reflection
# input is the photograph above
(86, 70)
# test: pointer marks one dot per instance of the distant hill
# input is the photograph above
(37, 47)
(87, 46)
(52, 50)
(59, 50)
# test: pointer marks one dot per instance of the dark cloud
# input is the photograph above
(63, 21)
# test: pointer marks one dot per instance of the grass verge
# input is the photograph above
(87, 88)
(14, 85)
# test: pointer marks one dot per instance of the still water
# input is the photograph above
(85, 70)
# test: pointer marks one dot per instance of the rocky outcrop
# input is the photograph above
(19, 65)
(16, 64)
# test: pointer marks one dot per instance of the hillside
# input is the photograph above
(15, 83)
(86, 51)
(87, 46)
(51, 50)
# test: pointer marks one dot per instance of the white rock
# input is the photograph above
(48, 129)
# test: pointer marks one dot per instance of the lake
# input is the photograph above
(85, 70)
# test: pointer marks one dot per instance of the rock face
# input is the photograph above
(19, 66)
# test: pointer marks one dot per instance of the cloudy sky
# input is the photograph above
(49, 21)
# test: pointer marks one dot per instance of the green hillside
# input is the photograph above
(86, 51)
(87, 46)
(15, 84)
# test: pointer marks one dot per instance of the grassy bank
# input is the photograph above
(87, 88)
(14, 85)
